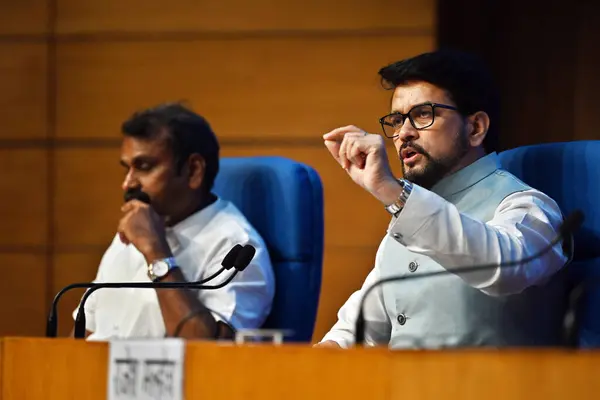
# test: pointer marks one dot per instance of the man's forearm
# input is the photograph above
(177, 304)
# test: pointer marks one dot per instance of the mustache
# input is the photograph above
(413, 146)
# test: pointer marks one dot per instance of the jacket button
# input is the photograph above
(412, 267)
(401, 319)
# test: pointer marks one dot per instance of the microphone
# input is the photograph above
(243, 259)
(227, 263)
(52, 323)
(570, 224)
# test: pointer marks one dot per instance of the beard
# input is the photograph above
(434, 169)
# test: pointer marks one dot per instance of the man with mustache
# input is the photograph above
(171, 154)
(454, 207)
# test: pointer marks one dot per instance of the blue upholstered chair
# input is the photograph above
(283, 200)
(570, 173)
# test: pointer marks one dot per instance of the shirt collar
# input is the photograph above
(178, 233)
(467, 176)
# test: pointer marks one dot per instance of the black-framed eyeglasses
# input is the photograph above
(420, 116)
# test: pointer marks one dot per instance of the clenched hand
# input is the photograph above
(364, 158)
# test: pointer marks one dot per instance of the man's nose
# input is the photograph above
(407, 132)
(130, 182)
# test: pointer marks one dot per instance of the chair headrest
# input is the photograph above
(281, 198)
(569, 172)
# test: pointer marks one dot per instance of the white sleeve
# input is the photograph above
(377, 324)
(523, 224)
(90, 303)
(246, 301)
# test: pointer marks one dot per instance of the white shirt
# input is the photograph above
(199, 244)
(523, 224)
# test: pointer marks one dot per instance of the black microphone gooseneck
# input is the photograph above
(570, 224)
(52, 323)
(243, 259)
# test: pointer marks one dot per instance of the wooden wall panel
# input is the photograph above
(70, 268)
(23, 87)
(87, 196)
(273, 88)
(546, 95)
(344, 271)
(23, 17)
(75, 16)
(23, 288)
(587, 79)
(23, 184)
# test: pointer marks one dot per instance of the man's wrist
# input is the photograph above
(174, 275)
(156, 251)
(389, 192)
(398, 204)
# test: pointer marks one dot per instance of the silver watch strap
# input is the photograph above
(398, 205)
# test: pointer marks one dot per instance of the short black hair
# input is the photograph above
(463, 76)
(188, 133)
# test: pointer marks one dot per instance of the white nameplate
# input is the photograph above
(146, 369)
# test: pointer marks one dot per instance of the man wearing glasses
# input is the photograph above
(454, 208)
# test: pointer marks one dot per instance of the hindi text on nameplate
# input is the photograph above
(146, 369)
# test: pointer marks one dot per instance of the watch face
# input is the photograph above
(160, 268)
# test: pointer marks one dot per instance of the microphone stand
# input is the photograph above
(80, 321)
(52, 323)
(230, 260)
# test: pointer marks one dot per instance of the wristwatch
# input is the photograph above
(398, 205)
(158, 269)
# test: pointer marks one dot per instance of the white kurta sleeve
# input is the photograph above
(523, 224)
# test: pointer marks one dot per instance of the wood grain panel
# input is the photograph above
(23, 184)
(76, 16)
(71, 268)
(587, 79)
(69, 369)
(88, 196)
(23, 17)
(293, 87)
(23, 288)
(23, 87)
(344, 271)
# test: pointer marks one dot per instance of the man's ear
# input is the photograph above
(196, 167)
(479, 125)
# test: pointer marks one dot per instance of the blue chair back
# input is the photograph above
(569, 172)
(283, 200)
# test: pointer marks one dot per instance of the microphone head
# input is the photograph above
(572, 222)
(136, 194)
(229, 259)
(244, 257)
